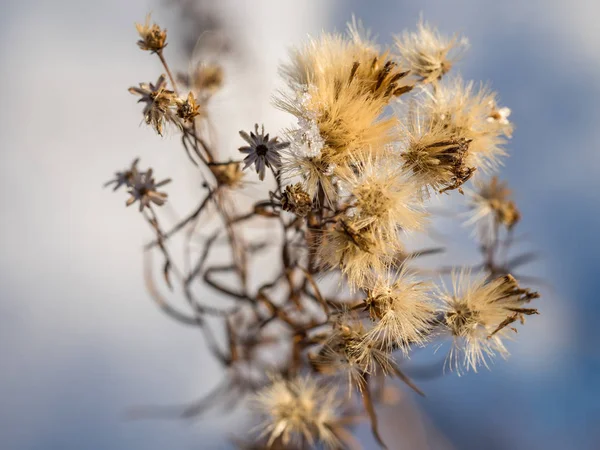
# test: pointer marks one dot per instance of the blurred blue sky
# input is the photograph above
(80, 342)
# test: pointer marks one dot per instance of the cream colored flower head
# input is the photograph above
(428, 54)
(401, 310)
(464, 109)
(297, 412)
(350, 353)
(448, 137)
(477, 313)
(383, 197)
(358, 253)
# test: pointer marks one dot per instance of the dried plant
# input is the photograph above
(352, 182)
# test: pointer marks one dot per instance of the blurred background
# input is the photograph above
(80, 341)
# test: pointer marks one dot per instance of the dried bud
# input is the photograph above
(295, 200)
(208, 77)
(187, 109)
(153, 38)
(491, 200)
(227, 174)
(508, 214)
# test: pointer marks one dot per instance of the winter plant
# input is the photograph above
(309, 334)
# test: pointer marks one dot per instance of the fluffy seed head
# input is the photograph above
(298, 412)
(477, 313)
(436, 158)
(401, 310)
(427, 53)
(339, 89)
(383, 198)
(349, 352)
(464, 110)
(448, 136)
(358, 253)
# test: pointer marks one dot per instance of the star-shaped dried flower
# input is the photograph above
(153, 38)
(262, 151)
(143, 188)
(159, 102)
(124, 178)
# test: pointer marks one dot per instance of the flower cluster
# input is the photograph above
(376, 133)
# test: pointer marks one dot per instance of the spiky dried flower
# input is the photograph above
(491, 202)
(382, 197)
(448, 135)
(153, 38)
(187, 109)
(359, 253)
(436, 157)
(298, 412)
(126, 177)
(401, 310)
(348, 351)
(295, 200)
(262, 151)
(143, 188)
(464, 110)
(477, 313)
(340, 87)
(159, 103)
(427, 53)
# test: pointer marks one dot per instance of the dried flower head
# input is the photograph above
(159, 102)
(187, 109)
(464, 110)
(144, 189)
(448, 136)
(359, 253)
(383, 198)
(153, 38)
(350, 352)
(436, 157)
(401, 310)
(490, 203)
(125, 178)
(204, 79)
(295, 200)
(340, 88)
(228, 174)
(477, 312)
(427, 53)
(298, 412)
(262, 151)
